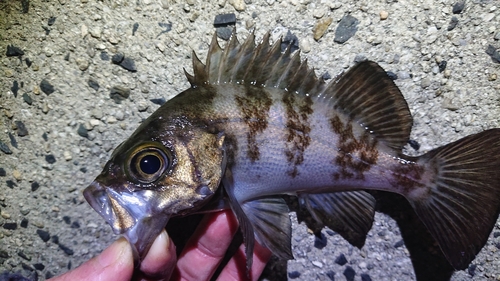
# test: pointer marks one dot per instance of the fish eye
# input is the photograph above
(148, 164)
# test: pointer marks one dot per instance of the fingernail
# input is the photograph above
(160, 244)
(118, 252)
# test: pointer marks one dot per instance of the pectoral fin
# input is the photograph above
(245, 224)
(272, 225)
(348, 213)
(265, 218)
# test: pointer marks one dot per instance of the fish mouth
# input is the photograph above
(127, 214)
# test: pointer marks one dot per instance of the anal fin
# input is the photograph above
(350, 214)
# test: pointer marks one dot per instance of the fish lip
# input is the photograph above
(146, 224)
(98, 198)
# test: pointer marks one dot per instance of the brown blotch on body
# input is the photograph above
(254, 106)
(298, 127)
(355, 156)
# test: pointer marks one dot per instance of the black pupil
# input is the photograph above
(150, 164)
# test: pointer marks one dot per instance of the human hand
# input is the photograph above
(198, 261)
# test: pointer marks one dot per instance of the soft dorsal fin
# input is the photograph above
(365, 94)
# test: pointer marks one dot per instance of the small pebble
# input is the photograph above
(293, 274)
(365, 277)
(492, 77)
(10, 225)
(134, 28)
(119, 93)
(472, 270)
(15, 88)
(13, 51)
(67, 219)
(224, 33)
(44, 235)
(291, 40)
(414, 144)
(341, 260)
(22, 255)
(13, 140)
(82, 131)
(453, 23)
(384, 15)
(16, 174)
(10, 184)
(493, 53)
(222, 20)
(93, 84)
(4, 214)
(425, 83)
(21, 129)
(317, 264)
(67, 155)
(128, 64)
(66, 249)
(320, 241)
(27, 99)
(34, 186)
(50, 158)
(24, 223)
(349, 273)
(39, 266)
(46, 87)
(51, 21)
(458, 7)
(331, 275)
(321, 27)
(239, 5)
(442, 65)
(400, 243)
(346, 29)
(5, 148)
(159, 101)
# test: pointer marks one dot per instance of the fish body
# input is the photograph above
(257, 123)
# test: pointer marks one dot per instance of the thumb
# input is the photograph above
(115, 263)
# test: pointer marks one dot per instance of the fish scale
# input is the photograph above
(257, 123)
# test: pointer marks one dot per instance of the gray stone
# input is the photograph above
(346, 29)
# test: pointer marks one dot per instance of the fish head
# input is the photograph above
(155, 175)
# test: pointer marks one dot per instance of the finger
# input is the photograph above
(207, 247)
(236, 268)
(115, 263)
(160, 261)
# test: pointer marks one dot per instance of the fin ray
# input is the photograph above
(272, 225)
(348, 213)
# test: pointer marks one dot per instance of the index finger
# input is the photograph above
(205, 250)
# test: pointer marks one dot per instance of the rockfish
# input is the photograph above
(257, 123)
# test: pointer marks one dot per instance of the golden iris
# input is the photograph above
(148, 164)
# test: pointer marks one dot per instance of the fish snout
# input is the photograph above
(127, 215)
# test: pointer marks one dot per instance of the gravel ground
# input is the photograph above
(64, 105)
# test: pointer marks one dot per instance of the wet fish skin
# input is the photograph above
(258, 123)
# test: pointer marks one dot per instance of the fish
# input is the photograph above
(257, 123)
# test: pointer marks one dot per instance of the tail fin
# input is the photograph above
(463, 201)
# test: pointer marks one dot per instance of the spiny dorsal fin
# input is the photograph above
(365, 93)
